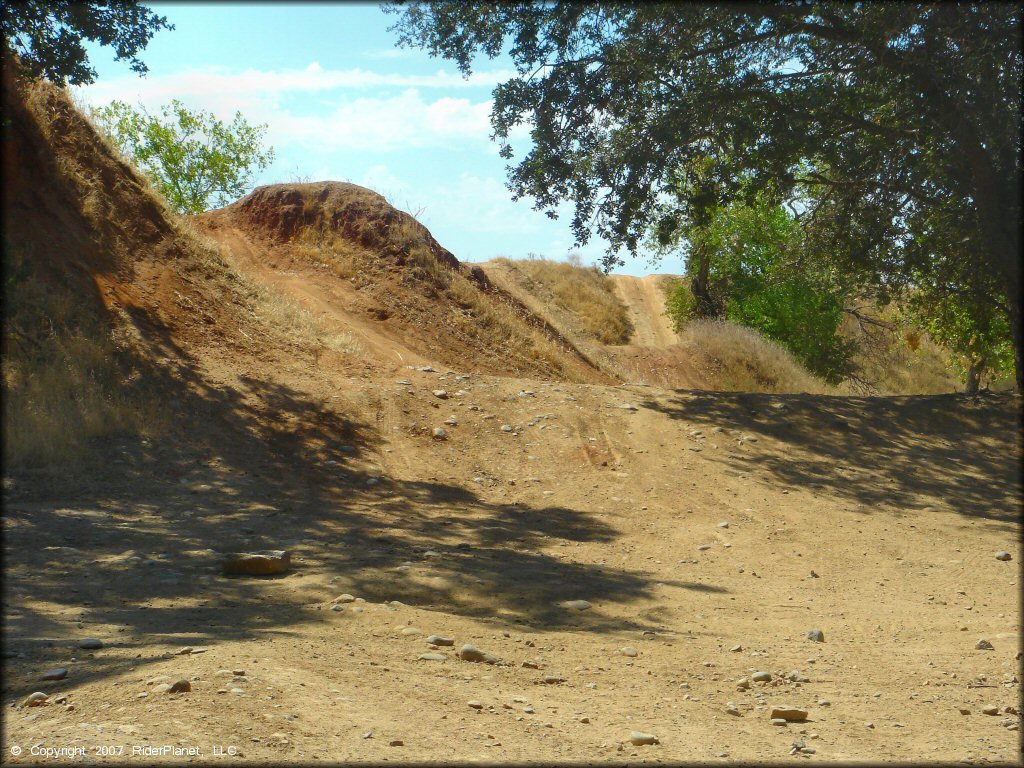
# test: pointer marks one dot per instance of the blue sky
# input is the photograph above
(342, 102)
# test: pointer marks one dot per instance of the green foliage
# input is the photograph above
(759, 279)
(898, 122)
(680, 306)
(195, 160)
(48, 36)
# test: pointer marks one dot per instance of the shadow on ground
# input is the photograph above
(904, 453)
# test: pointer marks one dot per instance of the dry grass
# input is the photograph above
(737, 358)
(65, 381)
(898, 361)
(584, 292)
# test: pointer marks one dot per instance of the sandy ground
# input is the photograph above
(876, 521)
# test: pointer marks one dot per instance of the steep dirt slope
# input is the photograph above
(645, 299)
(706, 533)
(342, 252)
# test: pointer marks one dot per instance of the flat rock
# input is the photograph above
(432, 657)
(262, 563)
(990, 710)
(1003, 556)
(639, 739)
(816, 635)
(576, 605)
(57, 673)
(438, 640)
(789, 714)
(90, 643)
(761, 677)
(475, 704)
(346, 598)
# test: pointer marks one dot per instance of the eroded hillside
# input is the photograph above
(625, 557)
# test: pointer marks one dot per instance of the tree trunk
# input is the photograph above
(974, 376)
(699, 285)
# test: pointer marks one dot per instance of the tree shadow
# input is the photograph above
(136, 544)
(905, 453)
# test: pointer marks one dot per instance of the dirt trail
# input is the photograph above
(645, 300)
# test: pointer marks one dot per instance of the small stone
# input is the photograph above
(36, 699)
(984, 645)
(90, 643)
(743, 683)
(797, 676)
(791, 714)
(180, 686)
(506, 427)
(475, 705)
(440, 394)
(396, 743)
(412, 631)
(779, 721)
(808, 750)
(239, 672)
(704, 547)
(736, 648)
(761, 677)
(869, 724)
(337, 608)
(964, 711)
(57, 673)
(265, 563)
(162, 688)
(439, 433)
(639, 739)
(584, 719)
(553, 679)
(723, 524)
(816, 635)
(628, 651)
(576, 605)
(438, 640)
(528, 709)
(1003, 556)
(824, 703)
(730, 709)
(346, 598)
(432, 657)
(990, 710)
(472, 653)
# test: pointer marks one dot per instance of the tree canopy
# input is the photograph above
(48, 36)
(193, 159)
(898, 124)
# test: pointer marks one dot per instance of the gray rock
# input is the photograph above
(797, 676)
(57, 673)
(438, 640)
(761, 677)
(439, 433)
(440, 394)
(553, 680)
(816, 635)
(779, 721)
(723, 524)
(1003, 556)
(984, 645)
(639, 739)
(628, 651)
(264, 563)
(432, 657)
(506, 427)
(90, 643)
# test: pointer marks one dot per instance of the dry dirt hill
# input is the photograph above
(627, 557)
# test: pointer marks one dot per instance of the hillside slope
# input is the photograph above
(706, 532)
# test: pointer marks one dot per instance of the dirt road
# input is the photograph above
(644, 298)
